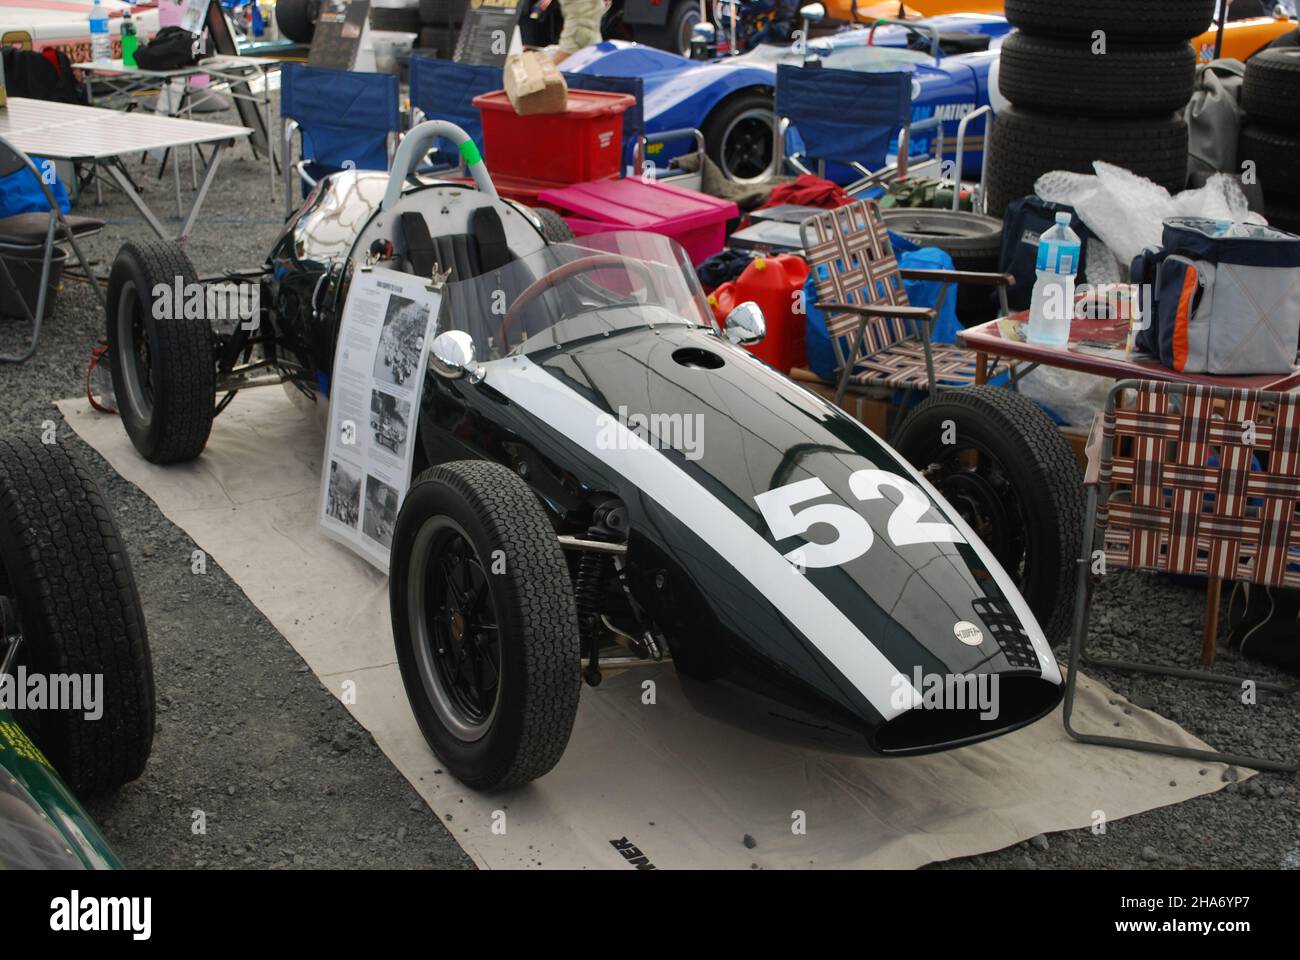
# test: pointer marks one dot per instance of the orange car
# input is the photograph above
(1242, 39)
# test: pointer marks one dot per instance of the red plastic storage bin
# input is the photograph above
(695, 220)
(519, 189)
(583, 143)
(775, 284)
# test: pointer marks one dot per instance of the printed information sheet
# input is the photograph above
(379, 366)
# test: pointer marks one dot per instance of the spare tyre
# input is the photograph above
(1150, 21)
(1024, 145)
(1276, 157)
(972, 240)
(1128, 80)
(1272, 87)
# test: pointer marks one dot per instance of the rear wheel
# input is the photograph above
(738, 137)
(675, 35)
(66, 587)
(554, 227)
(1014, 479)
(164, 373)
(297, 19)
(485, 624)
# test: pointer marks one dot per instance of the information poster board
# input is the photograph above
(486, 32)
(338, 33)
(383, 351)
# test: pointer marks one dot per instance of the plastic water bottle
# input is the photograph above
(101, 48)
(1051, 308)
(129, 40)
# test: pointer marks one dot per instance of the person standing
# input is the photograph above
(581, 26)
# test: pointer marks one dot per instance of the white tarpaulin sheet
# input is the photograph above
(680, 788)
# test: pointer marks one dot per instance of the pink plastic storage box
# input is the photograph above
(695, 220)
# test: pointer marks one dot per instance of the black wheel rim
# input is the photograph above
(454, 629)
(980, 488)
(747, 146)
(136, 364)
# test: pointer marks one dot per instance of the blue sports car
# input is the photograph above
(731, 99)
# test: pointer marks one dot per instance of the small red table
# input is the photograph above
(1096, 347)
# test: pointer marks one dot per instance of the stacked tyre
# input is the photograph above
(1100, 80)
(440, 22)
(1270, 137)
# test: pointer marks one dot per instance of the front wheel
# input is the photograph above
(738, 137)
(66, 589)
(485, 624)
(160, 353)
(1004, 466)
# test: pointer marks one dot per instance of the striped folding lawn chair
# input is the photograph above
(1192, 480)
(880, 339)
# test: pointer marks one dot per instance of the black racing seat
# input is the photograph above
(466, 255)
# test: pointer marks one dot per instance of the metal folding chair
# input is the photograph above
(31, 232)
(849, 117)
(1194, 480)
(345, 119)
(880, 340)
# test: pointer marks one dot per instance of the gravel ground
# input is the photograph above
(286, 778)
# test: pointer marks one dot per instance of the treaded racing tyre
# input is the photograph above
(1024, 145)
(1039, 73)
(738, 137)
(66, 580)
(554, 227)
(399, 19)
(1283, 216)
(164, 372)
(972, 240)
(1023, 496)
(496, 701)
(1151, 21)
(1276, 157)
(1271, 89)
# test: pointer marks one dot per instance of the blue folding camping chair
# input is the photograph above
(345, 119)
(445, 90)
(847, 117)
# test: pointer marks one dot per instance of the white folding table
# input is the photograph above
(111, 83)
(71, 132)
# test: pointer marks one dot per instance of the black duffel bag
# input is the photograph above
(170, 49)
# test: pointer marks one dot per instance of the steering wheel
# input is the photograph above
(567, 271)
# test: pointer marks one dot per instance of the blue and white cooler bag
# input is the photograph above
(1225, 298)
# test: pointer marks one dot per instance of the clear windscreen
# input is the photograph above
(595, 286)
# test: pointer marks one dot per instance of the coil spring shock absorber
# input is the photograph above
(609, 523)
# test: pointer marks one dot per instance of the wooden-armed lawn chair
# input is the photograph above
(880, 339)
(1194, 480)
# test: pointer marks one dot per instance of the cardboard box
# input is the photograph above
(534, 84)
